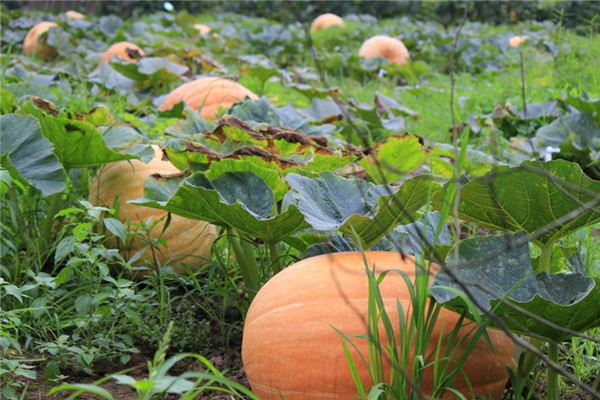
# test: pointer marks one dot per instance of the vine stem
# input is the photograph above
(275, 257)
(245, 258)
(530, 361)
(553, 377)
(54, 205)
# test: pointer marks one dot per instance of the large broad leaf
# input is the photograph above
(110, 78)
(240, 200)
(76, 143)
(151, 72)
(262, 169)
(30, 153)
(585, 104)
(547, 200)
(232, 138)
(579, 129)
(332, 203)
(258, 66)
(497, 272)
(393, 159)
(420, 235)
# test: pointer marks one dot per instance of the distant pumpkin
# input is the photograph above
(208, 92)
(124, 51)
(35, 45)
(516, 41)
(325, 21)
(189, 241)
(384, 46)
(74, 14)
(202, 29)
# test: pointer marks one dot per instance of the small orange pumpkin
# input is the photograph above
(208, 92)
(202, 29)
(291, 351)
(124, 51)
(516, 41)
(384, 46)
(72, 14)
(188, 241)
(325, 21)
(33, 44)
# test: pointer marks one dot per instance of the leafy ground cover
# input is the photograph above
(475, 154)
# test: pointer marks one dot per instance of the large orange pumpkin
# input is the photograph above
(384, 46)
(189, 241)
(33, 44)
(124, 51)
(291, 351)
(325, 21)
(210, 93)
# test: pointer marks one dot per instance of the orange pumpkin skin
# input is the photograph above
(189, 241)
(291, 351)
(121, 50)
(516, 41)
(32, 44)
(325, 21)
(202, 29)
(208, 92)
(72, 14)
(384, 46)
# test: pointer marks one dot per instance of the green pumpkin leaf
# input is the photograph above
(547, 200)
(151, 72)
(579, 129)
(243, 208)
(394, 158)
(331, 203)
(28, 155)
(498, 273)
(585, 103)
(76, 143)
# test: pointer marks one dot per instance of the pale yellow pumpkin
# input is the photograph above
(208, 92)
(325, 21)
(384, 46)
(291, 351)
(122, 50)
(33, 44)
(189, 241)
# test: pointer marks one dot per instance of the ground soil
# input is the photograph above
(227, 360)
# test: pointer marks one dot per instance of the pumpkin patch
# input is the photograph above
(198, 199)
